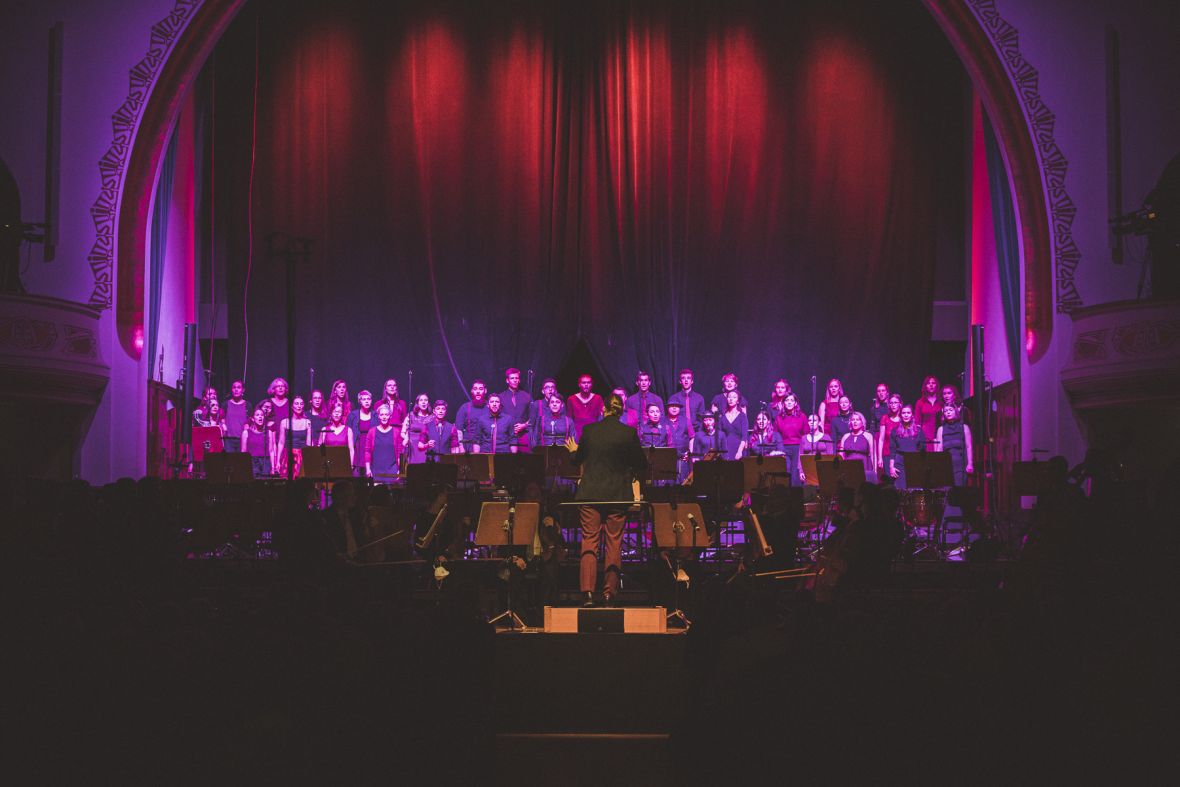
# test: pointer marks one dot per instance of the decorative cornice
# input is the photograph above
(1041, 121)
(112, 165)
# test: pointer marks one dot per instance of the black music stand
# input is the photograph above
(838, 474)
(474, 469)
(925, 470)
(764, 471)
(421, 477)
(229, 468)
(515, 472)
(558, 461)
(721, 480)
(810, 463)
(677, 526)
(512, 525)
(662, 464)
(928, 469)
(325, 463)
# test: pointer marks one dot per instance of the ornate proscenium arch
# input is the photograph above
(1006, 98)
(207, 21)
(1001, 81)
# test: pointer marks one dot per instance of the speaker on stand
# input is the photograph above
(184, 432)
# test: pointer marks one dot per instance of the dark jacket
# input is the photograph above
(611, 458)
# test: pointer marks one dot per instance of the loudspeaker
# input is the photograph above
(186, 383)
(978, 394)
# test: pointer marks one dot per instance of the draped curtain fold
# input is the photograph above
(158, 251)
(750, 188)
(1007, 243)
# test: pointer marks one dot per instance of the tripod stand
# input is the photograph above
(671, 522)
(507, 524)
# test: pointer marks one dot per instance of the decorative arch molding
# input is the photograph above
(1054, 165)
(178, 48)
(987, 45)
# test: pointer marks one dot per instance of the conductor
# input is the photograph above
(611, 459)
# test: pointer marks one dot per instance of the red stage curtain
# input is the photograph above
(756, 187)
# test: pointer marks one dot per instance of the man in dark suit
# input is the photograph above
(611, 459)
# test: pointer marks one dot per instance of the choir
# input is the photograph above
(383, 437)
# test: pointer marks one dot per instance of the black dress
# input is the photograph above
(900, 444)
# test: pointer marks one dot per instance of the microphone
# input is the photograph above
(692, 520)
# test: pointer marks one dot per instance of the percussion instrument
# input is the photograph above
(923, 507)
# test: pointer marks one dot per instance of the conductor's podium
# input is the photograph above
(606, 620)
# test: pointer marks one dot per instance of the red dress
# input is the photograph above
(927, 414)
(831, 408)
(889, 425)
(791, 427)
